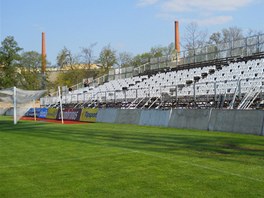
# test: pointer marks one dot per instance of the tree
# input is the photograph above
(107, 58)
(226, 35)
(65, 58)
(251, 32)
(232, 34)
(9, 57)
(30, 67)
(169, 50)
(157, 51)
(194, 37)
(31, 60)
(215, 38)
(87, 59)
(70, 77)
(124, 59)
(73, 73)
(141, 59)
(88, 56)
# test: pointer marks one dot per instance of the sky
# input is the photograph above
(132, 26)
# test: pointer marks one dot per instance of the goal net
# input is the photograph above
(21, 100)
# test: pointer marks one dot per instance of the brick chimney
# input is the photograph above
(177, 37)
(43, 65)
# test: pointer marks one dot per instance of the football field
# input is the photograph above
(39, 159)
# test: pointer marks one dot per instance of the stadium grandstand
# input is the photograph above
(228, 75)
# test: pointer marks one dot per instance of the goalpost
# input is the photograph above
(60, 100)
(21, 100)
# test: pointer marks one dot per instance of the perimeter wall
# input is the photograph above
(236, 121)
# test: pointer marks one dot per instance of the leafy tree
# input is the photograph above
(141, 59)
(215, 38)
(70, 77)
(107, 58)
(65, 58)
(74, 76)
(30, 67)
(31, 60)
(169, 50)
(74, 73)
(9, 57)
(157, 51)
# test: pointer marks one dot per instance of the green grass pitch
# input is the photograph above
(113, 160)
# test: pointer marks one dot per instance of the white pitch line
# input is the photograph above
(199, 166)
(66, 160)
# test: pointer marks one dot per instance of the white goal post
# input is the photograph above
(21, 100)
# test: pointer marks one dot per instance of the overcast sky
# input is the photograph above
(128, 25)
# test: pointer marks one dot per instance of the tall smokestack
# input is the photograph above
(177, 37)
(43, 68)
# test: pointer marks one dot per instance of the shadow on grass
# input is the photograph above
(203, 144)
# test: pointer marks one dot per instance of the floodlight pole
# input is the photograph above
(60, 98)
(15, 106)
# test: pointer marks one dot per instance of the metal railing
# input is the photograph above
(213, 89)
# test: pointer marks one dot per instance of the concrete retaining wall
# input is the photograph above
(106, 115)
(128, 116)
(236, 121)
(189, 118)
(154, 118)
